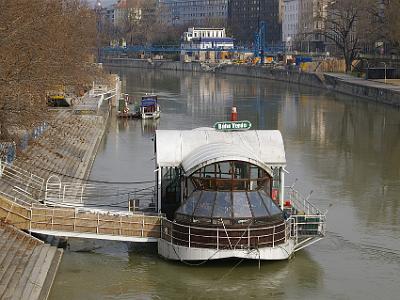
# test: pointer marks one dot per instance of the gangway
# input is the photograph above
(81, 222)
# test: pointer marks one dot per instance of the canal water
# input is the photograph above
(345, 150)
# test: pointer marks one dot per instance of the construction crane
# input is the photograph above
(260, 39)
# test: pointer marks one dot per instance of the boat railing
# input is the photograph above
(301, 203)
(226, 238)
(308, 226)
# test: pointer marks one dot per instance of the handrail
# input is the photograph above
(177, 233)
(302, 203)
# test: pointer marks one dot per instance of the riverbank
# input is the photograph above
(339, 83)
(66, 149)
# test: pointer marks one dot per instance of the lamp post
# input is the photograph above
(385, 71)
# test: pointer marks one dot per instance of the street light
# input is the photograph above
(385, 71)
(367, 72)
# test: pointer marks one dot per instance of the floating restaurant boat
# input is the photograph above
(149, 108)
(223, 194)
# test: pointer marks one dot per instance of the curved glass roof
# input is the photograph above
(229, 205)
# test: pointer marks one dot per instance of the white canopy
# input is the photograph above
(193, 149)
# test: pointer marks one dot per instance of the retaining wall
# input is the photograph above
(325, 81)
(373, 92)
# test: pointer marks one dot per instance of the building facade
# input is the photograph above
(290, 23)
(195, 12)
(206, 38)
(311, 24)
(244, 17)
(123, 13)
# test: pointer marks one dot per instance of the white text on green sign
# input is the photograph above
(231, 126)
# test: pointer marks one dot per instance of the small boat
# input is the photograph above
(124, 111)
(149, 108)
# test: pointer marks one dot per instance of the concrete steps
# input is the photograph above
(27, 265)
(66, 148)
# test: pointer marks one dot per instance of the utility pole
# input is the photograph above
(99, 26)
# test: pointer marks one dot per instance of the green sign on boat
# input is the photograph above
(232, 126)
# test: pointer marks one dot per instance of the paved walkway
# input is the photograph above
(364, 82)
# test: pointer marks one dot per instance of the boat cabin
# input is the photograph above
(230, 174)
(149, 107)
(222, 194)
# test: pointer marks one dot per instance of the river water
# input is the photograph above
(344, 149)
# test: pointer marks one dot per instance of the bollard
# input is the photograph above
(234, 115)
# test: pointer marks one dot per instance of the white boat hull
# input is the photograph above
(153, 115)
(181, 253)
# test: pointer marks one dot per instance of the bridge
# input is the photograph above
(178, 49)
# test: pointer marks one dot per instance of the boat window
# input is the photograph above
(271, 206)
(205, 204)
(241, 207)
(223, 206)
(257, 205)
(233, 207)
(231, 176)
(189, 206)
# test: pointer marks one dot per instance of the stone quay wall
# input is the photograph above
(372, 91)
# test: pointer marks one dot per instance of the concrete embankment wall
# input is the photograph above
(307, 79)
(373, 92)
(325, 81)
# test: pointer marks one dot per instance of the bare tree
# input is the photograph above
(392, 23)
(139, 23)
(43, 44)
(344, 25)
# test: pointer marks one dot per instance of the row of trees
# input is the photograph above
(44, 44)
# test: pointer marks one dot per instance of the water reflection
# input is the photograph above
(149, 127)
(146, 276)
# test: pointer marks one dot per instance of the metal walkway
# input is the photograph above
(79, 222)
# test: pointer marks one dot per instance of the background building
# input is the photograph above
(311, 15)
(244, 17)
(206, 38)
(195, 12)
(125, 13)
(214, 40)
(290, 23)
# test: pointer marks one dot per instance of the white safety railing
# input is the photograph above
(309, 223)
(80, 193)
(301, 203)
(226, 238)
(25, 183)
